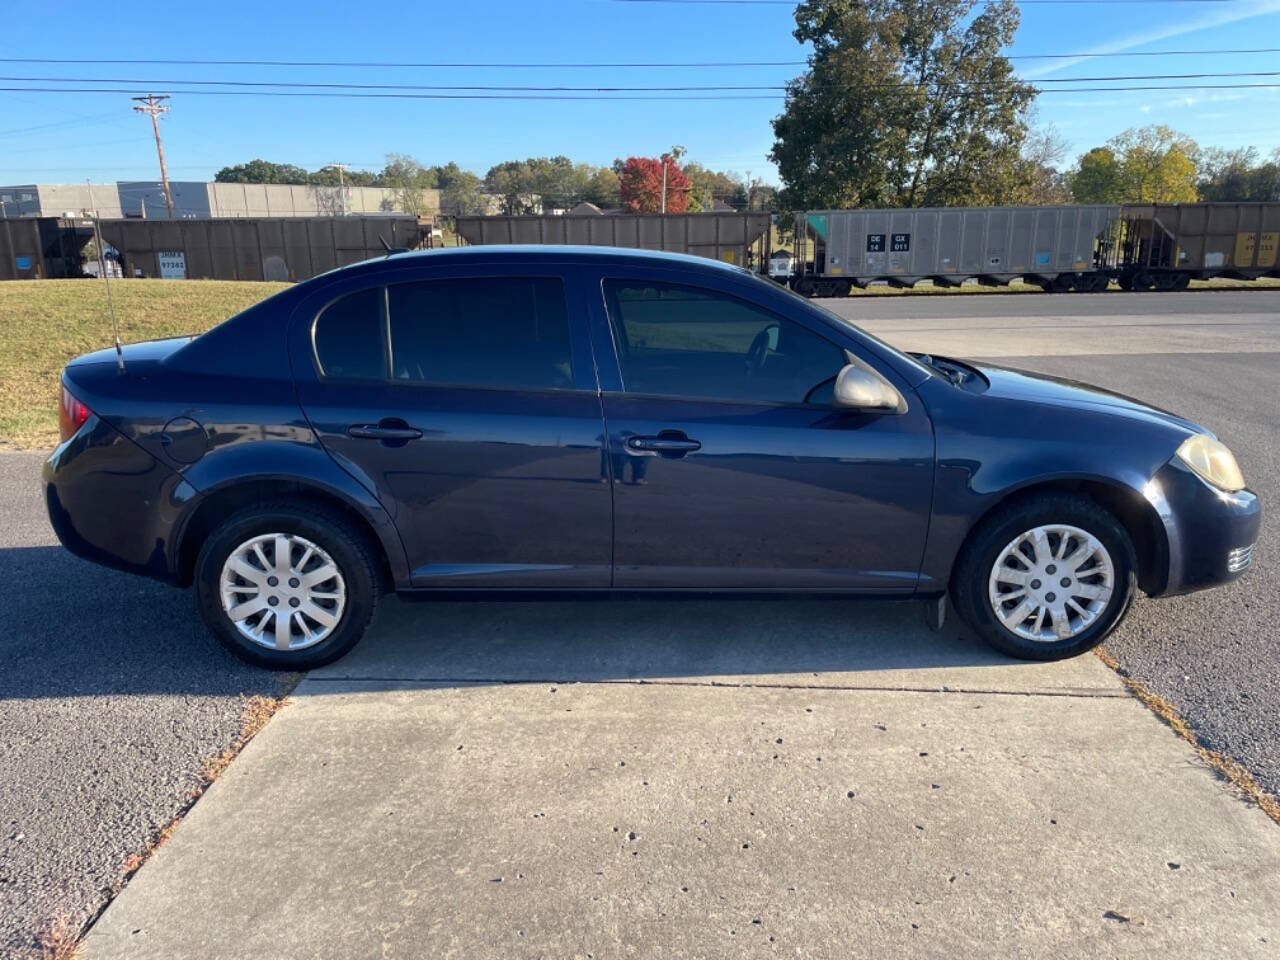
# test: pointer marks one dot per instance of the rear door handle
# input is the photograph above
(384, 431)
(664, 444)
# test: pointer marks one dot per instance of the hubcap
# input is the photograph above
(1051, 583)
(282, 591)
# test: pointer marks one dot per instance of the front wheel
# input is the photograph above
(287, 586)
(1047, 578)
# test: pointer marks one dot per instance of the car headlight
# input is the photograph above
(1212, 461)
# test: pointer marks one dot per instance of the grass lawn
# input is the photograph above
(44, 323)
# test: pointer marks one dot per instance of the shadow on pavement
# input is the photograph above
(71, 628)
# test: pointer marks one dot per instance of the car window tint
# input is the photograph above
(684, 341)
(348, 337)
(483, 332)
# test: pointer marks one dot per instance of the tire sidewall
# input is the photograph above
(327, 532)
(972, 591)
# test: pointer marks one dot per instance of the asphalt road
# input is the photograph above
(1213, 357)
(112, 695)
(111, 698)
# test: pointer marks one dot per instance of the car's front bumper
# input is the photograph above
(1209, 533)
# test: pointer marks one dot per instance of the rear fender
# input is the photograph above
(305, 466)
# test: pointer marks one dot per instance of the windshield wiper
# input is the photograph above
(954, 376)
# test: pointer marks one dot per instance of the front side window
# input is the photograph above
(682, 341)
(482, 332)
(348, 337)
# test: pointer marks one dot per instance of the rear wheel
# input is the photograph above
(1047, 578)
(287, 586)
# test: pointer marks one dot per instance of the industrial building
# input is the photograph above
(199, 200)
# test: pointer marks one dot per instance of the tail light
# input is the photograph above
(71, 415)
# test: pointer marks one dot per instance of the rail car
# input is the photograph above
(1060, 248)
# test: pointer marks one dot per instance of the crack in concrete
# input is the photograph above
(1119, 694)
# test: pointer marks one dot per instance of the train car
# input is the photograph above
(738, 238)
(1165, 246)
(1058, 248)
(1063, 248)
(32, 248)
(254, 248)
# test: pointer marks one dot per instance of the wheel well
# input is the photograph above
(219, 505)
(1137, 517)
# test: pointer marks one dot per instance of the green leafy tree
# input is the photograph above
(409, 180)
(1158, 165)
(603, 189)
(262, 171)
(1097, 178)
(711, 185)
(460, 191)
(1239, 175)
(1154, 164)
(905, 103)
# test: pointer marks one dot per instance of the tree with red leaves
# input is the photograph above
(640, 181)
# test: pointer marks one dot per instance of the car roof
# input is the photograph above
(524, 252)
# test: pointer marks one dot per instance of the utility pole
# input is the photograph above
(664, 183)
(342, 184)
(154, 106)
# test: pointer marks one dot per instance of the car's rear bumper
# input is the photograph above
(1209, 533)
(111, 502)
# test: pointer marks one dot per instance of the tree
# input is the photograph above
(262, 171)
(905, 103)
(409, 180)
(603, 189)
(711, 185)
(460, 191)
(1154, 164)
(1158, 165)
(1238, 175)
(1097, 178)
(640, 183)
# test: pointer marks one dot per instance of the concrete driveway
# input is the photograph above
(705, 779)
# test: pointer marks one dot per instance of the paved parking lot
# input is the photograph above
(113, 696)
(1213, 357)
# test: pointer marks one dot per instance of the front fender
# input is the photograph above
(993, 449)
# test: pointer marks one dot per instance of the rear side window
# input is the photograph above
(482, 332)
(348, 337)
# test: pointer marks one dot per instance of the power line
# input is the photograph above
(598, 65)
(688, 88)
(792, 3)
(606, 97)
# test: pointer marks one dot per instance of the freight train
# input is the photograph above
(1060, 249)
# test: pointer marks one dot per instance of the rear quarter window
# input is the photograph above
(348, 337)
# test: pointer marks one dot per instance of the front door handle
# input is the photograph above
(665, 443)
(388, 429)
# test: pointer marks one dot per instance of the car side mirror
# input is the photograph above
(858, 388)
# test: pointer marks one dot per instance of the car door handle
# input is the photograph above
(664, 444)
(384, 431)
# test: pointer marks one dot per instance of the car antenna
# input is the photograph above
(102, 269)
(391, 251)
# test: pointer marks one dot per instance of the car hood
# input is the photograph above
(1013, 384)
(148, 352)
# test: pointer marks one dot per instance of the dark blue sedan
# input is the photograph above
(548, 420)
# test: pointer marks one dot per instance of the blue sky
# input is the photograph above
(97, 136)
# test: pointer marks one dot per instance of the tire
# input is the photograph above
(342, 606)
(976, 577)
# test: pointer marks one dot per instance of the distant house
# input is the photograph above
(585, 209)
(719, 206)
